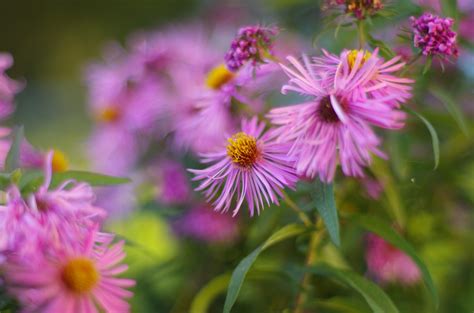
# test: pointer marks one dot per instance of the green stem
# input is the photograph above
(301, 214)
(361, 33)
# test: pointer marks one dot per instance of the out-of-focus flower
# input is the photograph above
(360, 9)
(252, 44)
(334, 125)
(8, 87)
(434, 35)
(373, 187)
(388, 264)
(202, 223)
(253, 168)
(81, 279)
(172, 182)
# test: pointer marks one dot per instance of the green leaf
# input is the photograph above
(376, 298)
(427, 65)
(434, 135)
(323, 197)
(384, 49)
(238, 276)
(204, 298)
(452, 108)
(379, 227)
(30, 181)
(94, 179)
(12, 161)
(449, 8)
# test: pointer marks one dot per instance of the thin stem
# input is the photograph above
(311, 257)
(361, 33)
(301, 214)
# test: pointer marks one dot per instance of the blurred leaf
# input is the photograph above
(452, 107)
(94, 179)
(343, 305)
(242, 269)
(203, 300)
(377, 299)
(434, 135)
(379, 227)
(30, 181)
(323, 197)
(12, 161)
(427, 65)
(384, 49)
(449, 8)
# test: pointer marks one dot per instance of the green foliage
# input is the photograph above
(94, 179)
(323, 197)
(12, 161)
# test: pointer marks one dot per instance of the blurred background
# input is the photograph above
(52, 41)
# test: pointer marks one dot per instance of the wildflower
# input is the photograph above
(388, 264)
(8, 87)
(252, 44)
(434, 35)
(334, 125)
(252, 167)
(79, 279)
(360, 9)
(202, 223)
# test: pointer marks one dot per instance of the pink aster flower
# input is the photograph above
(333, 126)
(252, 44)
(252, 168)
(202, 223)
(8, 87)
(434, 35)
(388, 264)
(79, 279)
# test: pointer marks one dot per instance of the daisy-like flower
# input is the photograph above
(8, 87)
(434, 35)
(387, 264)
(252, 168)
(333, 126)
(79, 279)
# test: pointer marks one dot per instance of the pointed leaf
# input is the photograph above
(452, 108)
(94, 179)
(238, 276)
(379, 227)
(12, 161)
(323, 197)
(434, 135)
(427, 65)
(376, 298)
(204, 298)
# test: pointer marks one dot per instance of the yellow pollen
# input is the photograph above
(242, 149)
(219, 76)
(60, 162)
(108, 115)
(352, 56)
(80, 275)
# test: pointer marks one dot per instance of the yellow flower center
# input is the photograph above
(218, 77)
(242, 149)
(352, 57)
(60, 162)
(108, 115)
(80, 275)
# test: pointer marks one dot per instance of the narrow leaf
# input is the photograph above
(452, 108)
(434, 135)
(427, 66)
(323, 197)
(376, 298)
(379, 227)
(93, 179)
(204, 298)
(238, 276)
(12, 161)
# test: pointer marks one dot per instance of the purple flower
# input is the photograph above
(388, 264)
(8, 87)
(253, 168)
(202, 223)
(253, 43)
(172, 182)
(359, 8)
(333, 126)
(434, 35)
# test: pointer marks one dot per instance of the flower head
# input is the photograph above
(360, 9)
(434, 35)
(8, 87)
(388, 264)
(252, 44)
(252, 167)
(334, 125)
(80, 279)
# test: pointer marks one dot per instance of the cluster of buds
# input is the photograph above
(360, 9)
(253, 43)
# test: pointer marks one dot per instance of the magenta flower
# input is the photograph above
(172, 182)
(8, 87)
(434, 35)
(204, 224)
(81, 279)
(388, 264)
(252, 168)
(252, 44)
(334, 125)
